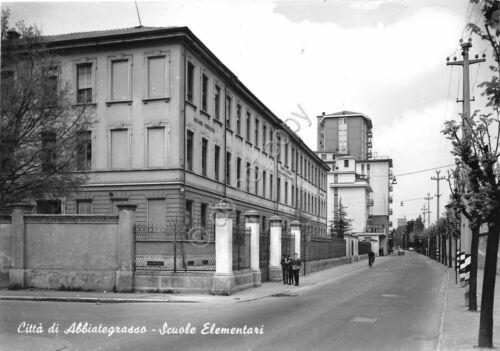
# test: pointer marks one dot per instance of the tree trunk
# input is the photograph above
(474, 246)
(488, 294)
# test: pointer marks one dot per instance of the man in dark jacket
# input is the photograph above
(285, 265)
(295, 266)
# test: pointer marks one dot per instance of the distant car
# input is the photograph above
(411, 249)
(401, 252)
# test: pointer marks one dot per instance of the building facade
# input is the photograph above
(345, 133)
(174, 131)
(361, 182)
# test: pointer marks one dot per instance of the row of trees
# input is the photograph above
(475, 183)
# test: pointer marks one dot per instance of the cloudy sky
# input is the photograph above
(384, 58)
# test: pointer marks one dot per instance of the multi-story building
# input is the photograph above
(174, 131)
(344, 133)
(360, 181)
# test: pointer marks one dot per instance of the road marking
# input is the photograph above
(389, 295)
(363, 320)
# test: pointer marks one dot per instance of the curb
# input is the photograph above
(89, 299)
(99, 300)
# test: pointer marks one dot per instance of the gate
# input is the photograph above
(264, 255)
(288, 244)
(241, 247)
(174, 247)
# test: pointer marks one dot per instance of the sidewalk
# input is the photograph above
(267, 289)
(460, 327)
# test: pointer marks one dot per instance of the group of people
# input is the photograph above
(291, 269)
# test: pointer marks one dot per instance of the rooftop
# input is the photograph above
(342, 114)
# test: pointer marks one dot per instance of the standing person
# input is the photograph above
(295, 265)
(371, 258)
(290, 271)
(285, 267)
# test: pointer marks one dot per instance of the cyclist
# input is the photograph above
(371, 258)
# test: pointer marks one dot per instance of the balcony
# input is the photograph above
(369, 144)
(390, 212)
(390, 224)
(375, 229)
(369, 134)
(369, 202)
(391, 200)
(391, 188)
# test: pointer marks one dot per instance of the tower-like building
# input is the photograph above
(357, 179)
(345, 133)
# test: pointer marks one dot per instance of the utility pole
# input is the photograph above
(429, 198)
(442, 243)
(437, 178)
(465, 232)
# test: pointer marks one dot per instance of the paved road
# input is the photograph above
(394, 306)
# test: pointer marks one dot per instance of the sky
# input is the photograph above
(383, 58)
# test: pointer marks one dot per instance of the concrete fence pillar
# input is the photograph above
(275, 272)
(17, 273)
(252, 223)
(126, 248)
(295, 230)
(223, 282)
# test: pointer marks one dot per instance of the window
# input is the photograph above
(363, 168)
(248, 126)
(216, 162)
(271, 191)
(49, 150)
(189, 213)
(238, 172)
(120, 80)
(50, 80)
(204, 92)
(286, 154)
(248, 177)
(271, 142)
(190, 82)
(84, 151)
(204, 149)
(346, 163)
(286, 193)
(278, 147)
(238, 119)
(228, 168)
(48, 206)
(323, 156)
(157, 77)
(189, 150)
(156, 216)
(264, 137)
(293, 159)
(256, 132)
(84, 83)
(84, 207)
(217, 102)
(264, 174)
(229, 102)
(119, 149)
(156, 147)
(256, 181)
(278, 189)
(293, 195)
(203, 215)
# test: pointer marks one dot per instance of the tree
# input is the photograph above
(478, 157)
(41, 130)
(341, 224)
(464, 185)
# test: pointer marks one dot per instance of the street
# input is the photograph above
(394, 306)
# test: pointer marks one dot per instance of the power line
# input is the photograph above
(424, 170)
